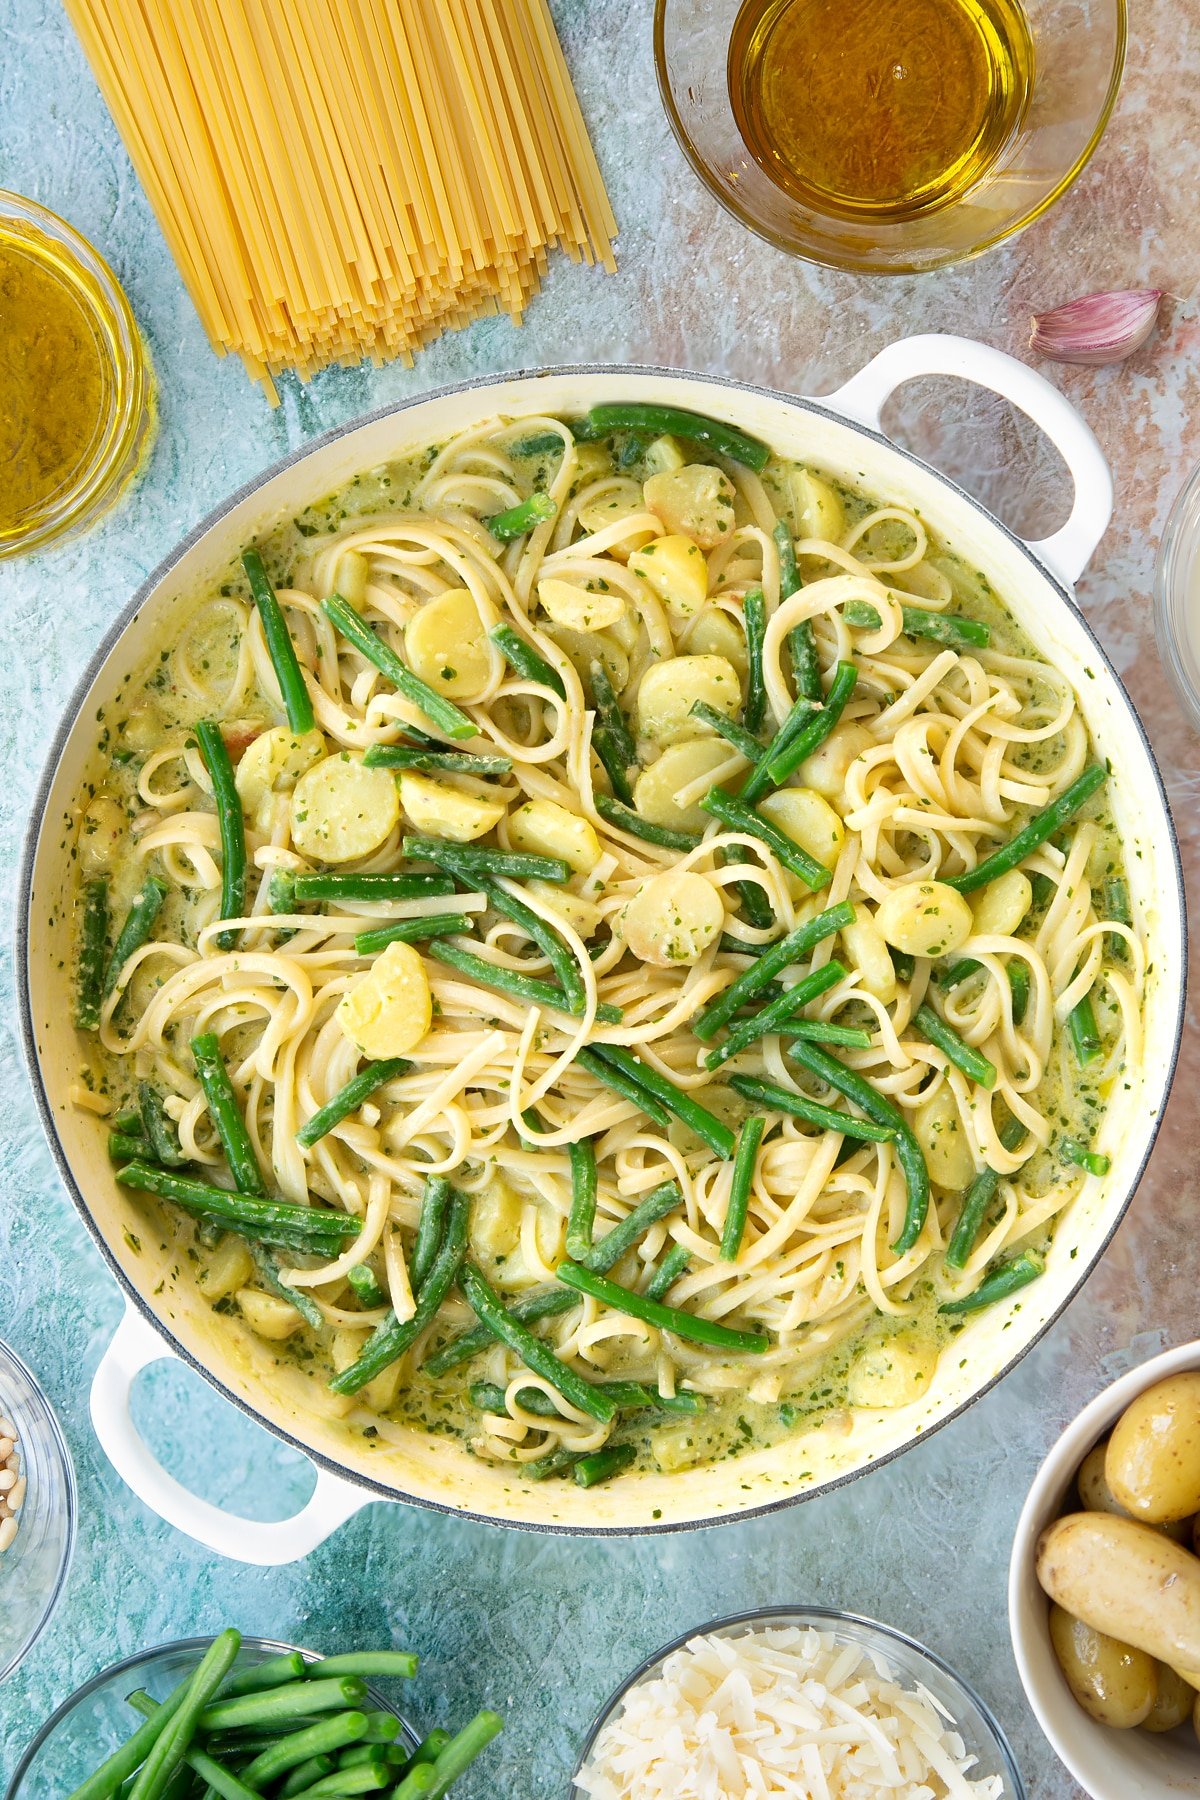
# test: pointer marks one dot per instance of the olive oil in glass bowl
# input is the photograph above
(888, 136)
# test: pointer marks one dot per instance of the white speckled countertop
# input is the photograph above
(539, 1627)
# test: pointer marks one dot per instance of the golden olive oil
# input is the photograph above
(879, 108)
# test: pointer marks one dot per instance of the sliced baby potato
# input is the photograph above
(614, 507)
(810, 821)
(868, 953)
(583, 915)
(226, 1268)
(1153, 1459)
(676, 570)
(592, 461)
(1114, 1683)
(893, 1372)
(680, 767)
(446, 645)
(388, 1010)
(274, 762)
(924, 918)
(440, 809)
(713, 633)
(101, 831)
(673, 918)
(816, 508)
(268, 1315)
(943, 1139)
(663, 455)
(580, 608)
(342, 810)
(1003, 904)
(696, 501)
(586, 647)
(545, 828)
(668, 691)
(351, 578)
(495, 1227)
(825, 770)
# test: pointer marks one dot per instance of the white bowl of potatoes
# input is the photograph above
(1104, 1587)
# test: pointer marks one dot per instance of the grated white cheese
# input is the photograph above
(780, 1712)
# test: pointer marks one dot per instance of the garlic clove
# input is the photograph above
(1097, 328)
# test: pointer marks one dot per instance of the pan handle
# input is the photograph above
(1066, 553)
(268, 1544)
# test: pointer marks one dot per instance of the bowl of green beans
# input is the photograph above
(243, 1718)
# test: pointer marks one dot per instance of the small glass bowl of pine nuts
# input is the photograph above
(37, 1510)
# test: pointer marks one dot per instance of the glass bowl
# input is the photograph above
(909, 1661)
(96, 1719)
(1177, 598)
(1079, 54)
(33, 1570)
(125, 417)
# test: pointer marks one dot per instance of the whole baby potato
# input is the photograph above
(1114, 1683)
(1173, 1703)
(1126, 1580)
(1097, 1496)
(1153, 1459)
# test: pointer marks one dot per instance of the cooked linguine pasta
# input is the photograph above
(988, 1020)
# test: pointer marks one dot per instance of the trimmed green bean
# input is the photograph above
(176, 1731)
(673, 421)
(623, 818)
(231, 824)
(538, 444)
(481, 860)
(716, 1135)
(449, 762)
(977, 1199)
(525, 660)
(1094, 1161)
(729, 729)
(1017, 971)
(288, 673)
(268, 1270)
(778, 1013)
(601, 1465)
(1006, 1279)
(801, 745)
(536, 928)
(124, 1762)
(772, 960)
(637, 1397)
(753, 901)
(673, 1265)
(919, 621)
(758, 781)
(226, 1114)
(528, 1309)
(123, 1146)
(802, 642)
(489, 1396)
(619, 1241)
(389, 1341)
(733, 814)
(581, 1219)
(613, 764)
(543, 1468)
(533, 1351)
(1034, 832)
(754, 620)
(360, 1778)
(819, 1031)
(411, 931)
(92, 955)
(430, 1747)
(363, 1280)
(1084, 1031)
(509, 981)
(312, 1227)
(288, 890)
(653, 1312)
(431, 1228)
(220, 1780)
(294, 1700)
(955, 973)
(305, 1774)
(859, 1091)
(515, 521)
(348, 1099)
(159, 1127)
(749, 1138)
(456, 1756)
(139, 922)
(442, 713)
(973, 1063)
(611, 716)
(904, 964)
(814, 1112)
(1118, 909)
(394, 1754)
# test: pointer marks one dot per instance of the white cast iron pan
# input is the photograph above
(165, 1313)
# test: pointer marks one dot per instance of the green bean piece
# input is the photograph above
(92, 955)
(605, 1255)
(611, 716)
(543, 1468)
(771, 962)
(716, 1135)
(955, 973)
(159, 1128)
(431, 1227)
(347, 1100)
(973, 1063)
(123, 1147)
(673, 421)
(631, 453)
(758, 781)
(139, 922)
(124, 1762)
(456, 1756)
(673, 1265)
(904, 964)
(732, 946)
(442, 713)
(582, 1216)
(754, 903)
(821, 1031)
(295, 1700)
(515, 521)
(268, 1270)
(430, 1747)
(533, 1351)
(525, 660)
(448, 762)
(802, 642)
(778, 1013)
(919, 621)
(363, 1280)
(754, 620)
(1034, 832)
(481, 860)
(394, 1754)
(411, 931)
(509, 981)
(1085, 1033)
(288, 890)
(634, 1396)
(318, 1228)
(489, 1396)
(288, 673)
(814, 1112)
(305, 1774)
(231, 824)
(389, 1341)
(749, 1138)
(274, 1672)
(625, 819)
(528, 1309)
(226, 1115)
(1005, 1279)
(729, 729)
(1018, 981)
(173, 1740)
(363, 1778)
(1094, 1161)
(860, 1092)
(221, 1781)
(623, 1084)
(532, 924)
(613, 764)
(1118, 909)
(653, 1312)
(801, 746)
(977, 1199)
(601, 1465)
(539, 444)
(738, 817)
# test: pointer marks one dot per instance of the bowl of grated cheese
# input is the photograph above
(805, 1704)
